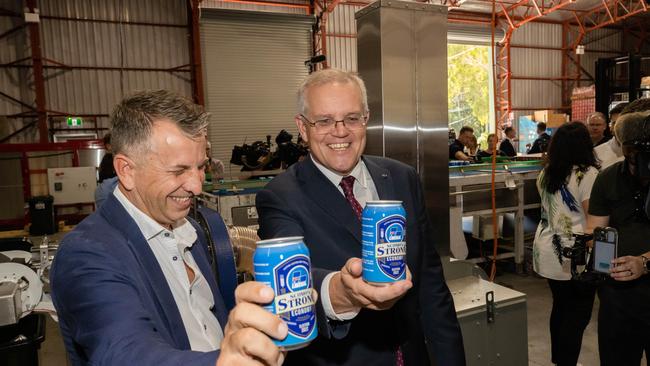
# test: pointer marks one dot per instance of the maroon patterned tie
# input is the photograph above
(347, 183)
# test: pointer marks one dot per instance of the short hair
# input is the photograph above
(107, 139)
(618, 109)
(133, 118)
(596, 115)
(465, 129)
(633, 126)
(329, 76)
(508, 129)
(639, 105)
(541, 126)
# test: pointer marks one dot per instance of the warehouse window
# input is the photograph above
(470, 97)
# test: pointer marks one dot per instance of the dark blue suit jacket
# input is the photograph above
(113, 301)
(302, 201)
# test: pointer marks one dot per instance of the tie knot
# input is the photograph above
(347, 183)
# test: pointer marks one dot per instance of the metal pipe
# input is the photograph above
(39, 81)
(91, 20)
(110, 68)
(193, 15)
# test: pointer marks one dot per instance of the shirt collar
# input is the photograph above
(359, 172)
(150, 228)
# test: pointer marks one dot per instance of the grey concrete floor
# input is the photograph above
(52, 352)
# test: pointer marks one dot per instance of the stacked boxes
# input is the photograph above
(583, 103)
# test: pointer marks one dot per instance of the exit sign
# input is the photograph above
(74, 121)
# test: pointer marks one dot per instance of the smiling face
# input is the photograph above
(162, 182)
(339, 148)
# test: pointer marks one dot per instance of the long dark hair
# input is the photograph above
(569, 146)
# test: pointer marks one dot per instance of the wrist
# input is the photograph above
(338, 299)
(646, 263)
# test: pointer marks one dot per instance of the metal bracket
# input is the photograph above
(489, 306)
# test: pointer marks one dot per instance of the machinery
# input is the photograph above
(401, 48)
(24, 270)
(260, 155)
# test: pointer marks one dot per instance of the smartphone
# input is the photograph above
(605, 248)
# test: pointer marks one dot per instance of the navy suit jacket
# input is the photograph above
(112, 298)
(302, 201)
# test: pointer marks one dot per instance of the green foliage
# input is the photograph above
(468, 95)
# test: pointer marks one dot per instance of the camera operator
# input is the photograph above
(619, 199)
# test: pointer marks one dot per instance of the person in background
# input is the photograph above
(564, 186)
(597, 124)
(541, 142)
(409, 322)
(614, 113)
(492, 143)
(457, 148)
(507, 146)
(639, 105)
(611, 152)
(215, 169)
(107, 176)
(132, 283)
(619, 200)
(106, 169)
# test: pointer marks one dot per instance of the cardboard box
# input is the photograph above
(542, 116)
(551, 119)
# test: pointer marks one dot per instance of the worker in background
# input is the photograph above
(132, 283)
(106, 169)
(107, 176)
(564, 186)
(541, 142)
(597, 124)
(321, 199)
(492, 143)
(619, 199)
(215, 169)
(611, 152)
(507, 146)
(457, 150)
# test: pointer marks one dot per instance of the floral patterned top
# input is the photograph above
(562, 216)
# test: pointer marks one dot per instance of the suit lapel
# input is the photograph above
(381, 177)
(115, 213)
(328, 197)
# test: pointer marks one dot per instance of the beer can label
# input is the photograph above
(284, 265)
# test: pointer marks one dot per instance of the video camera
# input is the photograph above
(582, 263)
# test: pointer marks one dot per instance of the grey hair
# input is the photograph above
(133, 118)
(329, 76)
(597, 115)
(632, 126)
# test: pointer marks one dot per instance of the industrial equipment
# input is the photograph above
(261, 156)
(401, 48)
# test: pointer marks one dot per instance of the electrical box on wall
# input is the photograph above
(72, 185)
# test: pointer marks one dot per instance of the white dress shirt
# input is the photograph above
(172, 251)
(609, 153)
(364, 190)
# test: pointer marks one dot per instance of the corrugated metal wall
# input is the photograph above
(161, 42)
(534, 63)
(341, 40)
(258, 5)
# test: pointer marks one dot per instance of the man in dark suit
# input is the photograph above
(506, 145)
(541, 142)
(411, 322)
(132, 283)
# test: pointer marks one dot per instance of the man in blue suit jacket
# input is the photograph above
(411, 322)
(132, 283)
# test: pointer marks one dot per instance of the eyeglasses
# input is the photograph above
(323, 125)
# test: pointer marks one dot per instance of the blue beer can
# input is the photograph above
(383, 242)
(284, 265)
